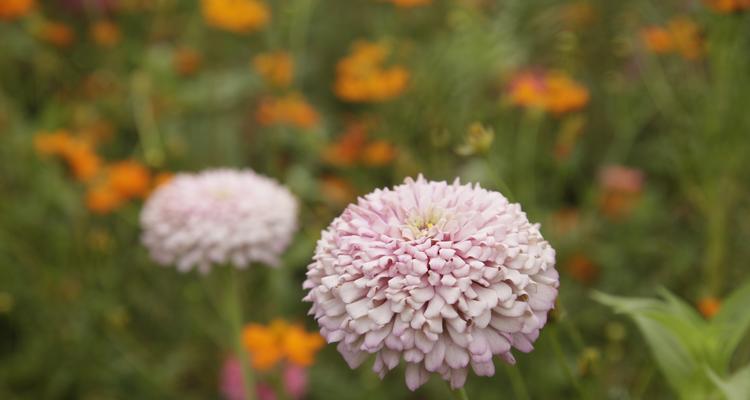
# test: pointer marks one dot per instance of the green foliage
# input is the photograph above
(692, 353)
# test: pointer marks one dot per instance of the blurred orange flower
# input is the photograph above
(621, 189)
(709, 306)
(162, 178)
(12, 9)
(276, 68)
(105, 33)
(129, 178)
(680, 35)
(582, 269)
(728, 6)
(280, 340)
(361, 76)
(410, 3)
(239, 16)
(337, 190)
(56, 33)
(186, 61)
(346, 150)
(291, 109)
(78, 153)
(378, 153)
(103, 199)
(554, 92)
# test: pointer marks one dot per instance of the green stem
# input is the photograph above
(516, 382)
(234, 315)
(528, 134)
(560, 355)
(145, 121)
(458, 394)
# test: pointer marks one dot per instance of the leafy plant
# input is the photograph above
(694, 354)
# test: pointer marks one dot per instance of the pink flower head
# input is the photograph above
(232, 387)
(621, 178)
(218, 217)
(440, 275)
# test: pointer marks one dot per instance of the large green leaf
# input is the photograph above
(732, 321)
(737, 387)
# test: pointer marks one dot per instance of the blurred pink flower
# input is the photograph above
(294, 379)
(621, 178)
(441, 275)
(218, 217)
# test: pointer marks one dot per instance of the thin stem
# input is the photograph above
(458, 394)
(145, 121)
(234, 314)
(564, 364)
(516, 382)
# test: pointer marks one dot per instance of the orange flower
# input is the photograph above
(162, 178)
(554, 92)
(105, 33)
(346, 150)
(291, 109)
(269, 345)
(13, 9)
(103, 199)
(378, 153)
(680, 35)
(239, 16)
(57, 33)
(276, 68)
(657, 39)
(410, 3)
(78, 153)
(709, 306)
(186, 61)
(362, 77)
(129, 178)
(728, 6)
(336, 190)
(582, 269)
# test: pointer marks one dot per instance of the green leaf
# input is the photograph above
(732, 321)
(737, 387)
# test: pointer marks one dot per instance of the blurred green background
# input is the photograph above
(621, 126)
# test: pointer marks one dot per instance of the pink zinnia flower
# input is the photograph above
(440, 275)
(218, 217)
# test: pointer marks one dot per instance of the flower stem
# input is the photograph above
(234, 315)
(458, 394)
(564, 364)
(516, 383)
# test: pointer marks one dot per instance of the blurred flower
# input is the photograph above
(276, 68)
(478, 140)
(378, 153)
(353, 146)
(337, 190)
(162, 178)
(410, 3)
(129, 178)
(621, 188)
(346, 150)
(680, 35)
(56, 33)
(441, 275)
(105, 33)
(78, 153)
(232, 387)
(293, 379)
(186, 61)
(239, 16)
(582, 269)
(291, 109)
(280, 340)
(102, 198)
(361, 76)
(709, 306)
(13, 9)
(218, 217)
(553, 92)
(564, 221)
(728, 6)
